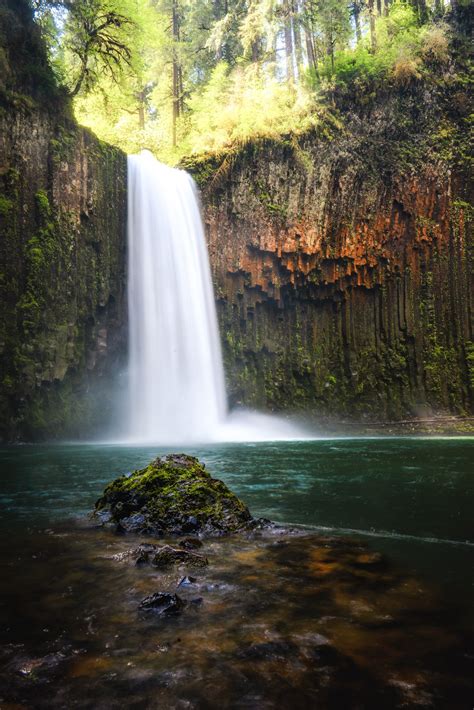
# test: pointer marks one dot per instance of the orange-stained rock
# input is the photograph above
(342, 288)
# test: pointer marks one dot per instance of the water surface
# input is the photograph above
(276, 614)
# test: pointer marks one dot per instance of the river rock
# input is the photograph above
(190, 543)
(167, 556)
(162, 603)
(174, 495)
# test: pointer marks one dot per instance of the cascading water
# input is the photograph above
(176, 373)
(177, 391)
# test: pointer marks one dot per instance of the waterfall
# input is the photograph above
(177, 390)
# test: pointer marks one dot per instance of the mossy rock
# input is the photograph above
(174, 495)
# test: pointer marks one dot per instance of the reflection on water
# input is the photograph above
(301, 620)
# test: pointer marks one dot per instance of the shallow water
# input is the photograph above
(302, 620)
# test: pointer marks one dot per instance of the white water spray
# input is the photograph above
(177, 391)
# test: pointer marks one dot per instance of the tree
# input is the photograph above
(373, 38)
(95, 36)
(184, 75)
(356, 8)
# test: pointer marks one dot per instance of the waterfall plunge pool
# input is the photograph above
(281, 621)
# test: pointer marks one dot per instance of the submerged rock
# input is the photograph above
(174, 495)
(269, 650)
(162, 603)
(167, 556)
(143, 553)
(190, 543)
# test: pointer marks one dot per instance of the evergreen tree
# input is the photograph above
(184, 75)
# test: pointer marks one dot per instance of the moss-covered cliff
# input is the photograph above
(341, 258)
(62, 251)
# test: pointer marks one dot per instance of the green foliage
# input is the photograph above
(250, 105)
(470, 362)
(191, 77)
(401, 47)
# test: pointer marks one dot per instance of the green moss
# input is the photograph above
(268, 201)
(442, 374)
(302, 157)
(170, 491)
(207, 168)
(42, 203)
(470, 362)
(6, 205)
(63, 144)
(20, 101)
(429, 225)
(28, 302)
(8, 383)
(466, 207)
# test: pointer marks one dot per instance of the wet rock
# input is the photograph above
(41, 668)
(142, 559)
(172, 495)
(187, 582)
(190, 524)
(190, 543)
(104, 517)
(167, 556)
(162, 603)
(143, 553)
(134, 522)
(196, 602)
(270, 650)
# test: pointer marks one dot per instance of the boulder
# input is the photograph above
(174, 495)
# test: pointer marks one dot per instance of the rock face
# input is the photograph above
(341, 261)
(62, 251)
(175, 496)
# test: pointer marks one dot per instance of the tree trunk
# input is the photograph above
(310, 50)
(175, 92)
(255, 51)
(218, 9)
(423, 10)
(290, 69)
(297, 39)
(141, 109)
(180, 91)
(373, 39)
(356, 16)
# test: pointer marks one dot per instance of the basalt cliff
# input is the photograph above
(62, 251)
(341, 259)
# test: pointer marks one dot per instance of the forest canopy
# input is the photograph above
(190, 76)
